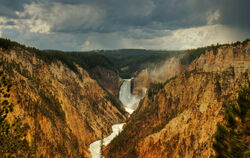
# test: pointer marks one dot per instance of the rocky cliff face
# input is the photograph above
(108, 79)
(234, 57)
(140, 83)
(65, 110)
(179, 118)
(160, 73)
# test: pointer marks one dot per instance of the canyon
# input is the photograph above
(169, 108)
(178, 118)
(124, 79)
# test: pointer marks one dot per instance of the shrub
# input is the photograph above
(50, 106)
(12, 135)
(114, 101)
(188, 73)
(154, 89)
(231, 138)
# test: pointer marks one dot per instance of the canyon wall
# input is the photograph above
(178, 118)
(64, 109)
(159, 73)
(108, 79)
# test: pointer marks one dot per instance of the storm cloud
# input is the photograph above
(115, 24)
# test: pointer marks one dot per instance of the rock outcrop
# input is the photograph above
(140, 83)
(108, 79)
(181, 116)
(160, 73)
(65, 110)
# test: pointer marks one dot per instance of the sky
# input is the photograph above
(82, 25)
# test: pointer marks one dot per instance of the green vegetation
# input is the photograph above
(12, 135)
(154, 88)
(167, 81)
(50, 106)
(246, 41)
(127, 140)
(188, 73)
(232, 139)
(7, 44)
(90, 60)
(116, 102)
(86, 60)
(46, 56)
(131, 61)
(193, 54)
(118, 142)
(52, 56)
(126, 62)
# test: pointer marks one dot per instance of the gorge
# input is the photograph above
(70, 106)
(124, 79)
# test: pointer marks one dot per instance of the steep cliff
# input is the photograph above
(159, 73)
(108, 79)
(140, 83)
(65, 109)
(100, 68)
(173, 65)
(178, 118)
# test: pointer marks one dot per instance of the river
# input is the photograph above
(130, 103)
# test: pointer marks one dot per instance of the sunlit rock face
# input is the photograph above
(65, 110)
(181, 118)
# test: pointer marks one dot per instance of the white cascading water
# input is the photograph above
(130, 102)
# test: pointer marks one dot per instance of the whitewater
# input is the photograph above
(130, 103)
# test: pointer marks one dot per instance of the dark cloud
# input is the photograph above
(235, 13)
(119, 14)
(121, 19)
(9, 7)
(7, 12)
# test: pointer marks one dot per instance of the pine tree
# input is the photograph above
(232, 139)
(12, 135)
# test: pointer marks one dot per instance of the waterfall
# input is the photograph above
(128, 100)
